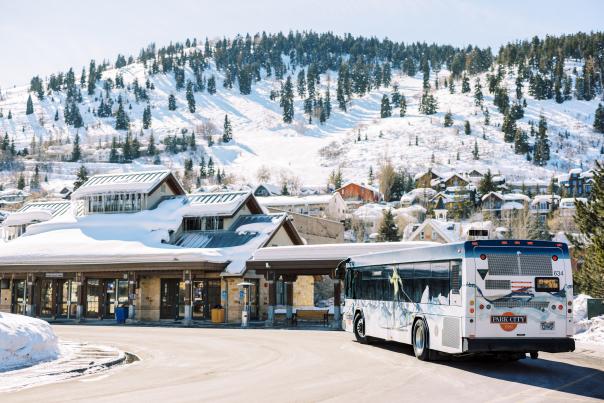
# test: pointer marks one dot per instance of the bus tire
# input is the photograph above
(359, 328)
(421, 340)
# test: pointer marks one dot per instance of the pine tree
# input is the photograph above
(537, 228)
(227, 134)
(541, 153)
(76, 153)
(287, 101)
(386, 109)
(113, 155)
(475, 154)
(403, 104)
(448, 119)
(327, 103)
(520, 142)
(465, 84)
(301, 84)
(589, 279)
(451, 86)
(151, 149)
(34, 183)
(466, 128)
(202, 168)
(57, 115)
(172, 102)
(190, 97)
(508, 128)
(284, 189)
(387, 231)
(211, 85)
(487, 117)
(599, 119)
(21, 182)
(82, 176)
(211, 170)
(122, 121)
(370, 177)
(486, 184)
(147, 117)
(29, 109)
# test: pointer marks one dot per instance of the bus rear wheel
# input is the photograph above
(359, 329)
(421, 340)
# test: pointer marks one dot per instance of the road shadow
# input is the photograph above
(582, 381)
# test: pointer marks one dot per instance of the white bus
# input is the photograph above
(505, 298)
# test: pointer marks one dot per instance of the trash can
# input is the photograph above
(217, 315)
(121, 313)
(595, 307)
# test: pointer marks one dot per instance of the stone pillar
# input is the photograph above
(289, 301)
(188, 308)
(80, 295)
(337, 315)
(29, 285)
(131, 296)
(272, 299)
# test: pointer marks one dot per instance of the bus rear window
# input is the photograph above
(547, 284)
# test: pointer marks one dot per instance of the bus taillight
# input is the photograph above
(483, 257)
(481, 306)
(560, 307)
(569, 303)
(555, 258)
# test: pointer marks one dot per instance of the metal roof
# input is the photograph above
(254, 219)
(216, 198)
(123, 178)
(56, 208)
(214, 239)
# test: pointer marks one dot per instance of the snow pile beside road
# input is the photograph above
(25, 341)
(587, 330)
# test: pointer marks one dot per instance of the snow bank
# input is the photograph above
(25, 341)
(587, 330)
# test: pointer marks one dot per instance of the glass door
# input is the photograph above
(18, 297)
(110, 298)
(93, 292)
(47, 298)
(199, 300)
(253, 289)
(169, 299)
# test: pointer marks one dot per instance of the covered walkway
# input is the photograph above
(286, 263)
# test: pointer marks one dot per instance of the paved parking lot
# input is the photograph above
(181, 364)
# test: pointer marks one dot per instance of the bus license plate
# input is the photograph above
(548, 325)
(508, 319)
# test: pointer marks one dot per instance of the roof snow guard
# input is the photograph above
(216, 198)
(139, 182)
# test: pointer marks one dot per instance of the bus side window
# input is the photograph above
(421, 282)
(405, 271)
(455, 297)
(439, 283)
(455, 277)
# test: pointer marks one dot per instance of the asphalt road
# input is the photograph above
(180, 364)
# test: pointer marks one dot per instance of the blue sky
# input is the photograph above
(44, 36)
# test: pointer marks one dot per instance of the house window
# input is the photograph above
(421, 236)
(202, 223)
(434, 236)
(478, 232)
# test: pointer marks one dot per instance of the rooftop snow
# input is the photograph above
(221, 203)
(271, 201)
(140, 182)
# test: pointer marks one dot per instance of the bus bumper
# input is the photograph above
(549, 345)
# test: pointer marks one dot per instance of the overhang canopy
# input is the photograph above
(316, 259)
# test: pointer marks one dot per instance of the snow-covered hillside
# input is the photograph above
(261, 139)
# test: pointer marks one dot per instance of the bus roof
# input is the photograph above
(449, 251)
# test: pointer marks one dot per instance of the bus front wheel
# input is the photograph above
(421, 340)
(359, 329)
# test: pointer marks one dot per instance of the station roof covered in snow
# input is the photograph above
(37, 212)
(139, 182)
(317, 259)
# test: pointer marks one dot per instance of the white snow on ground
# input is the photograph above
(587, 330)
(25, 341)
